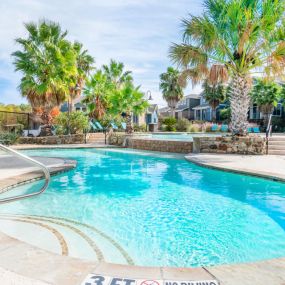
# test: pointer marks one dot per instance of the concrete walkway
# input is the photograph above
(267, 166)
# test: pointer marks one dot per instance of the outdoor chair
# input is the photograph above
(256, 130)
(124, 126)
(224, 128)
(92, 126)
(250, 130)
(114, 126)
(99, 126)
(214, 128)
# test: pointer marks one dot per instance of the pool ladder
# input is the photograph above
(33, 161)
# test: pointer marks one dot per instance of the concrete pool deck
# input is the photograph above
(14, 171)
(24, 264)
(266, 166)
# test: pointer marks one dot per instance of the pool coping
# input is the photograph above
(18, 257)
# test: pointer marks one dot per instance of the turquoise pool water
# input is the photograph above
(163, 210)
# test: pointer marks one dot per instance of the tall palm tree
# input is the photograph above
(214, 95)
(231, 40)
(116, 74)
(47, 62)
(84, 63)
(172, 92)
(96, 93)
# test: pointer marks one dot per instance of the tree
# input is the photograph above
(172, 92)
(266, 95)
(230, 41)
(47, 62)
(214, 94)
(116, 74)
(84, 64)
(127, 100)
(96, 94)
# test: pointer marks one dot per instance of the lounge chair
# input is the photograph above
(124, 126)
(114, 126)
(92, 126)
(224, 128)
(32, 133)
(214, 128)
(249, 130)
(256, 130)
(99, 126)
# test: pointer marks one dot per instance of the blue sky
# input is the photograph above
(136, 32)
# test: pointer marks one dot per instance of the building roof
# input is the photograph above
(181, 108)
(193, 96)
(202, 106)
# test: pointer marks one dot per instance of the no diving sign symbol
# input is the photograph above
(96, 279)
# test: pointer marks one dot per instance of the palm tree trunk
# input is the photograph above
(129, 124)
(240, 102)
(214, 112)
(46, 128)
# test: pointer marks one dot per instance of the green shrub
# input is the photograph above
(170, 123)
(182, 125)
(139, 128)
(8, 138)
(76, 122)
(195, 128)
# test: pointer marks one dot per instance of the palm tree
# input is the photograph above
(84, 63)
(172, 92)
(96, 93)
(266, 95)
(231, 40)
(116, 74)
(128, 100)
(214, 95)
(47, 62)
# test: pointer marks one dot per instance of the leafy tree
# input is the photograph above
(116, 74)
(230, 41)
(214, 94)
(172, 92)
(127, 100)
(75, 122)
(266, 95)
(47, 62)
(96, 94)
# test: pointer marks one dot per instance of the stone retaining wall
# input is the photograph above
(150, 144)
(63, 139)
(229, 144)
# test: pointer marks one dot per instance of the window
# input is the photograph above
(255, 114)
(135, 119)
(278, 110)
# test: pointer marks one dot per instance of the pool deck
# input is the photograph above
(266, 166)
(25, 264)
(14, 171)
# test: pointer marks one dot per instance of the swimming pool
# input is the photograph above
(162, 210)
(178, 136)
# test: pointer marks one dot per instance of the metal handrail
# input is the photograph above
(268, 132)
(42, 166)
